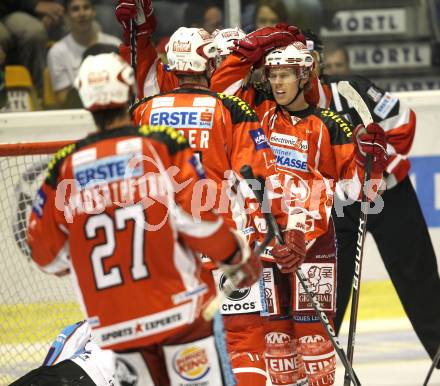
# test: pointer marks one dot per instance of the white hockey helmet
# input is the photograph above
(225, 38)
(190, 50)
(294, 55)
(104, 82)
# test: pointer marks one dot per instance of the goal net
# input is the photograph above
(34, 306)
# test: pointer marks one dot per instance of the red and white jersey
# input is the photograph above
(236, 140)
(225, 133)
(115, 209)
(314, 151)
(398, 121)
(313, 148)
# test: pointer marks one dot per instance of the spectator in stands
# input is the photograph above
(206, 14)
(270, 12)
(64, 58)
(23, 29)
(336, 60)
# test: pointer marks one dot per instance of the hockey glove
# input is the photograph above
(290, 255)
(255, 45)
(295, 31)
(141, 12)
(371, 140)
(243, 268)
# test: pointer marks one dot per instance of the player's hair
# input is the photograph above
(100, 48)
(103, 118)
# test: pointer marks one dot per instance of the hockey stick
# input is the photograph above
(353, 97)
(431, 369)
(133, 52)
(247, 173)
(228, 288)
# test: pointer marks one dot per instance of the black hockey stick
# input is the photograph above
(133, 52)
(433, 365)
(228, 288)
(353, 97)
(246, 172)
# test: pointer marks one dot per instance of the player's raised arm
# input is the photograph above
(151, 74)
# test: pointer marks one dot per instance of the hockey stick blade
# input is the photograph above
(355, 100)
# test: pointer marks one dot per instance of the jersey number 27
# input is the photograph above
(113, 277)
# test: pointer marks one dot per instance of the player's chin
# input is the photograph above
(281, 99)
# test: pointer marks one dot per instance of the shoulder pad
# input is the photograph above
(55, 163)
(172, 138)
(138, 102)
(341, 131)
(240, 110)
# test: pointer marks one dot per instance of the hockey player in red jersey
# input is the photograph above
(314, 148)
(222, 129)
(389, 227)
(153, 76)
(234, 137)
(116, 210)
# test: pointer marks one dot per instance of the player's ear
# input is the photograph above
(303, 83)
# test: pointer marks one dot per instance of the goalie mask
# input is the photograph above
(191, 51)
(295, 55)
(104, 82)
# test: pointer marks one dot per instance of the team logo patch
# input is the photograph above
(107, 169)
(191, 363)
(39, 203)
(290, 159)
(260, 139)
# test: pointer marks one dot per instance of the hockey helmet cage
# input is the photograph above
(104, 82)
(225, 38)
(190, 50)
(294, 55)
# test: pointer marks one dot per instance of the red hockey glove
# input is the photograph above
(292, 253)
(255, 45)
(142, 15)
(295, 31)
(371, 140)
(243, 268)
